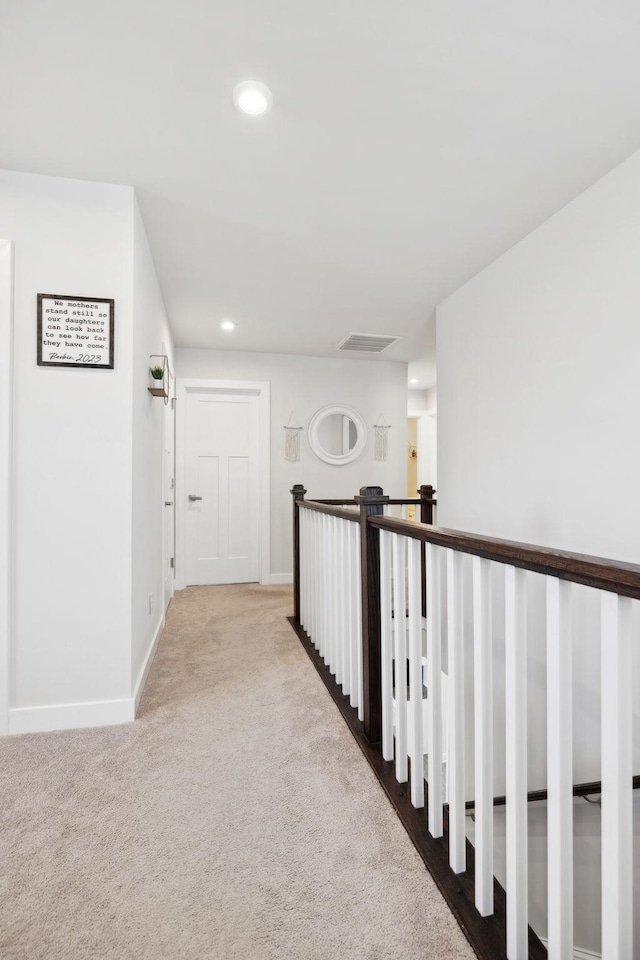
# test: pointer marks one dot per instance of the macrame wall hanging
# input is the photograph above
(381, 434)
(292, 441)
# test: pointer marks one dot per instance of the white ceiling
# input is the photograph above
(409, 144)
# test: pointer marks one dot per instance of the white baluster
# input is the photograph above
(434, 690)
(320, 597)
(335, 600)
(328, 635)
(337, 587)
(342, 592)
(455, 750)
(516, 762)
(617, 772)
(403, 511)
(309, 554)
(320, 612)
(346, 600)
(301, 571)
(324, 588)
(316, 577)
(483, 716)
(559, 769)
(331, 596)
(307, 569)
(400, 649)
(354, 600)
(415, 670)
(359, 664)
(386, 645)
(309, 536)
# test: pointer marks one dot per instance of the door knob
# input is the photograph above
(168, 503)
(193, 497)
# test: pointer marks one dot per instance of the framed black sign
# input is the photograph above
(75, 331)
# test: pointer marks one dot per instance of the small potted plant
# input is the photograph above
(157, 387)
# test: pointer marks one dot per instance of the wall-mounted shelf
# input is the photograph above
(158, 391)
(160, 387)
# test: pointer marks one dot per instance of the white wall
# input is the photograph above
(422, 399)
(151, 335)
(304, 384)
(539, 401)
(538, 383)
(84, 556)
(6, 415)
(72, 450)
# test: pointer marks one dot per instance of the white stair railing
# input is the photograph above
(330, 595)
(449, 615)
(413, 727)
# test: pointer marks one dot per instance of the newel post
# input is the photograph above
(371, 501)
(297, 492)
(426, 493)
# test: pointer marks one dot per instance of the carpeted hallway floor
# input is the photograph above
(235, 820)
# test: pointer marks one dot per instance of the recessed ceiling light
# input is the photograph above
(414, 380)
(227, 325)
(252, 97)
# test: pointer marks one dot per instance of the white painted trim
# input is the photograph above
(146, 666)
(276, 578)
(71, 716)
(262, 390)
(100, 713)
(431, 412)
(168, 492)
(578, 952)
(6, 468)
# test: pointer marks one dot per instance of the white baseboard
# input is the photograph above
(97, 713)
(578, 953)
(71, 716)
(146, 666)
(271, 580)
(275, 578)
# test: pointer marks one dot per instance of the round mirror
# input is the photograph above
(337, 435)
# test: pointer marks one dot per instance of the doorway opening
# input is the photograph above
(412, 464)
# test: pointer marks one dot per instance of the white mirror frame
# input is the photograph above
(314, 441)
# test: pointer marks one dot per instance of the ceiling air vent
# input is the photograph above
(366, 342)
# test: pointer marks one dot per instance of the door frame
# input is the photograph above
(186, 386)
(168, 426)
(6, 475)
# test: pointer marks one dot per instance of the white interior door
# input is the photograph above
(222, 490)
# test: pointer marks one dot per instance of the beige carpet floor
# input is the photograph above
(236, 819)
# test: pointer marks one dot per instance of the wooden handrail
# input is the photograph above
(408, 501)
(337, 503)
(339, 508)
(610, 575)
(323, 507)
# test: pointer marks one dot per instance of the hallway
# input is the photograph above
(236, 818)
